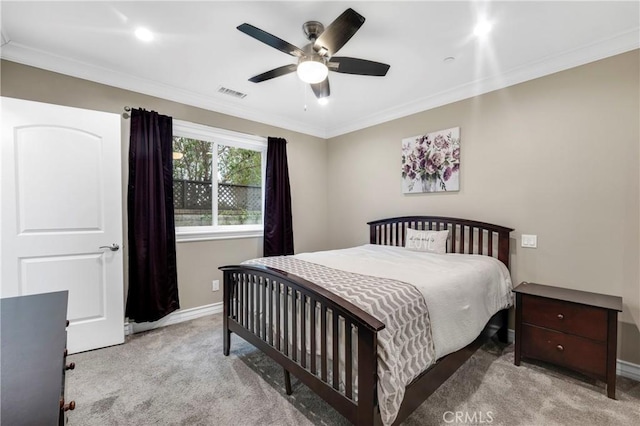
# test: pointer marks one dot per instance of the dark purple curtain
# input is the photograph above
(153, 282)
(278, 226)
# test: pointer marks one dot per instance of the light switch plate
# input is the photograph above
(529, 241)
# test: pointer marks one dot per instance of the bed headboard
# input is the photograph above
(465, 236)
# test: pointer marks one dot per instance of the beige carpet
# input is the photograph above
(177, 375)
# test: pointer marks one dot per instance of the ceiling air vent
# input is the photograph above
(231, 92)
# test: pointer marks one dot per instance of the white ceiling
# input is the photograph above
(197, 49)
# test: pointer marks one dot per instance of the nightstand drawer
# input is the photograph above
(564, 349)
(581, 320)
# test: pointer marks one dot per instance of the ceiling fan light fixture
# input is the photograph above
(323, 101)
(312, 69)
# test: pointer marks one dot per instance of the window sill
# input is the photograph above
(228, 233)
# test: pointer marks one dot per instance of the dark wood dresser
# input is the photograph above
(570, 328)
(33, 350)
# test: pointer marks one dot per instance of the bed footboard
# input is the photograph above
(312, 333)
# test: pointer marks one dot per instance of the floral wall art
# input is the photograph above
(431, 162)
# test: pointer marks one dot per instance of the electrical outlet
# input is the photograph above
(215, 285)
(530, 241)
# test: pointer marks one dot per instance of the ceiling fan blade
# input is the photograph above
(321, 90)
(277, 72)
(347, 65)
(338, 32)
(271, 40)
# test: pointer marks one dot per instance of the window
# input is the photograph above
(218, 178)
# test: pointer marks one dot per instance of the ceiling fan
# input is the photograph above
(316, 59)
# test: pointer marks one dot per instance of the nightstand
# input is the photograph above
(570, 328)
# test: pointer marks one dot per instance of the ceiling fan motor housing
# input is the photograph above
(310, 54)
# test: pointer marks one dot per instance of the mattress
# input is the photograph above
(462, 291)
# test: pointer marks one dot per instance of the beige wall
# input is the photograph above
(557, 157)
(197, 261)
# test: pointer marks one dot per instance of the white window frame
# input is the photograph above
(229, 138)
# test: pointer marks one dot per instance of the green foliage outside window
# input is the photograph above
(239, 166)
(195, 163)
(239, 174)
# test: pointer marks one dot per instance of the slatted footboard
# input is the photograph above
(311, 332)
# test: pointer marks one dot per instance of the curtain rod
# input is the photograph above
(127, 110)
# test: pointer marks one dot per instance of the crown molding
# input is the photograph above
(26, 55)
(617, 44)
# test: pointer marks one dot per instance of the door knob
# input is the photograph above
(112, 247)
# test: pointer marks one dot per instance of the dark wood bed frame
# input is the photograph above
(249, 300)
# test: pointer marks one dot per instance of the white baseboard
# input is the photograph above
(628, 370)
(176, 317)
(623, 368)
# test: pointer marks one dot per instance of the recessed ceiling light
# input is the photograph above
(482, 28)
(144, 34)
(323, 101)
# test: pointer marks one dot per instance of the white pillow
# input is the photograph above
(429, 241)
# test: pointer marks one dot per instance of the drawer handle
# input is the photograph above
(66, 407)
(560, 348)
(560, 316)
(70, 366)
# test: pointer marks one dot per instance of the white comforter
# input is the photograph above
(461, 291)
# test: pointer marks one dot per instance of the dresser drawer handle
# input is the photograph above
(560, 348)
(560, 316)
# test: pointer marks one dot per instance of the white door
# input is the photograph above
(61, 211)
